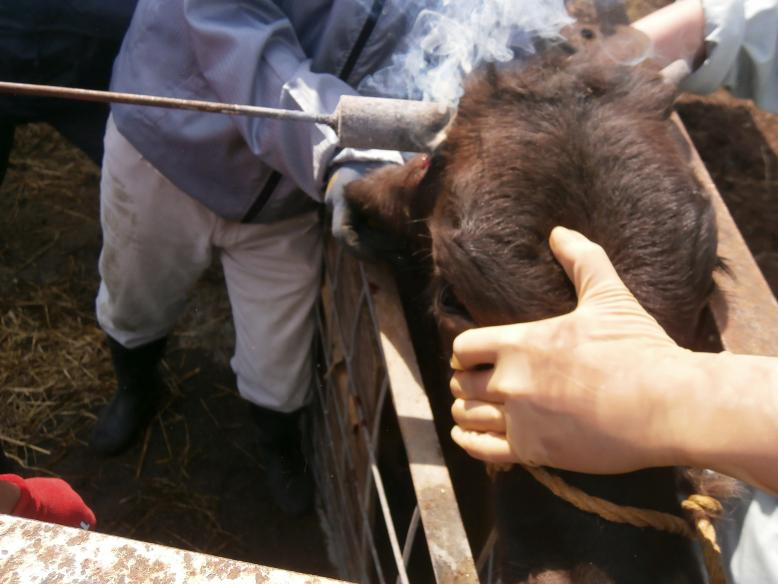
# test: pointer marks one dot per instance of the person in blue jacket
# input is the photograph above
(182, 187)
(59, 43)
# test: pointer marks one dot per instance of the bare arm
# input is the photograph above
(732, 425)
(605, 390)
(677, 32)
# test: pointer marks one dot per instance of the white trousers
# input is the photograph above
(157, 241)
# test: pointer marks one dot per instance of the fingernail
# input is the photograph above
(455, 364)
(561, 235)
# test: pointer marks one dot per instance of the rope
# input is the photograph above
(701, 509)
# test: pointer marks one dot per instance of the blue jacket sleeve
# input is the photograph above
(249, 54)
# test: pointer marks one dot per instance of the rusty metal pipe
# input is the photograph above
(360, 122)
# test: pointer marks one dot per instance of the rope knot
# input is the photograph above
(703, 505)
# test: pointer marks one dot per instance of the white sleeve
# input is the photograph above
(741, 39)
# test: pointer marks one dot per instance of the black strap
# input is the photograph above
(348, 67)
(364, 35)
(262, 198)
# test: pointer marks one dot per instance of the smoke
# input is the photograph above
(449, 38)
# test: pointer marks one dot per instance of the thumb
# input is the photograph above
(586, 264)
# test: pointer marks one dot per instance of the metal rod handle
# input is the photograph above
(231, 109)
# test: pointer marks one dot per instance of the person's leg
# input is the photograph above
(156, 243)
(273, 276)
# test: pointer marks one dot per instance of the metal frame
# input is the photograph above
(366, 356)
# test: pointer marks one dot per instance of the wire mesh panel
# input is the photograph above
(388, 503)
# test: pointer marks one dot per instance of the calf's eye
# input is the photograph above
(450, 304)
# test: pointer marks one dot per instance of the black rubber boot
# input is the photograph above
(135, 401)
(281, 452)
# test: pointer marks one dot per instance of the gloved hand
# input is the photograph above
(596, 390)
(351, 226)
(51, 500)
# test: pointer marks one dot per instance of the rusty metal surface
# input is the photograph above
(32, 552)
(743, 306)
(450, 551)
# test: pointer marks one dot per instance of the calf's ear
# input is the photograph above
(389, 196)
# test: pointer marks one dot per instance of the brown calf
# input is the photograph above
(566, 140)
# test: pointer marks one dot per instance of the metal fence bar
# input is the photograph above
(389, 522)
(487, 552)
(410, 535)
(374, 552)
(355, 329)
(379, 411)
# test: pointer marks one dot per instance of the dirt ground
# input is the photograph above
(192, 481)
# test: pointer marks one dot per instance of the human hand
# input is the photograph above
(51, 500)
(350, 226)
(590, 391)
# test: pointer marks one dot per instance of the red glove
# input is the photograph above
(50, 500)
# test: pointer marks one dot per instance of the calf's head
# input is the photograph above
(561, 141)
